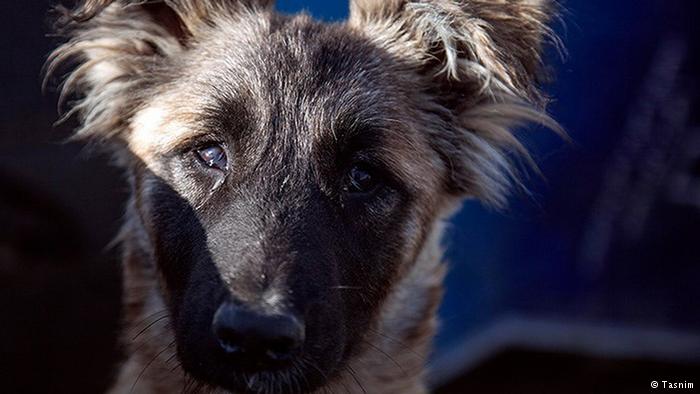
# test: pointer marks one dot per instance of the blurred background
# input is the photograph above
(590, 285)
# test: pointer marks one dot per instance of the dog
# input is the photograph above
(291, 179)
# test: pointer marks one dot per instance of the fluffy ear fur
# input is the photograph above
(479, 61)
(116, 49)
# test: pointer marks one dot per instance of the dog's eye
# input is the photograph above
(213, 156)
(362, 179)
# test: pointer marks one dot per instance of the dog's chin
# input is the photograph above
(296, 378)
(300, 374)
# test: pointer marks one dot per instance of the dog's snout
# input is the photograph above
(257, 339)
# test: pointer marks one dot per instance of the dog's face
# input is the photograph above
(283, 177)
(287, 173)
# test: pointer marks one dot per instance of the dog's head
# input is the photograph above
(287, 173)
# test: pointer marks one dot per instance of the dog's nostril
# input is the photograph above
(280, 349)
(228, 341)
(263, 338)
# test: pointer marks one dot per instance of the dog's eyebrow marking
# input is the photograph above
(384, 142)
(156, 130)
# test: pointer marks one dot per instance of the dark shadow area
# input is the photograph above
(60, 207)
(59, 297)
(520, 370)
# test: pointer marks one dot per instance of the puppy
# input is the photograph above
(290, 179)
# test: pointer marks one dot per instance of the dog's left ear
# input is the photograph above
(477, 62)
(117, 49)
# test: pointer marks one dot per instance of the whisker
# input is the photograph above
(149, 326)
(247, 382)
(145, 319)
(149, 364)
(379, 350)
(399, 342)
(325, 377)
(189, 382)
(296, 378)
(313, 365)
(171, 358)
(352, 373)
(144, 343)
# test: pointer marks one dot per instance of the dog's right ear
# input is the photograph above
(477, 64)
(115, 48)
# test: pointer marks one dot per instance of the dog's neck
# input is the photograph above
(391, 357)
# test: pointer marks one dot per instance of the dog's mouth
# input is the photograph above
(298, 375)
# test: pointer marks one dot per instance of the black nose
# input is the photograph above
(256, 339)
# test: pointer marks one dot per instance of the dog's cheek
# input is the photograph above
(191, 284)
(373, 260)
(176, 234)
(410, 238)
(424, 213)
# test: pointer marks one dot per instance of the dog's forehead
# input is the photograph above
(283, 73)
(294, 70)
